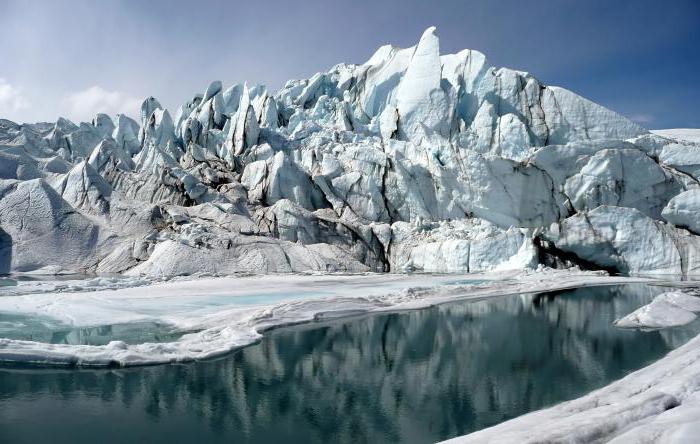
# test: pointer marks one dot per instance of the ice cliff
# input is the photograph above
(411, 161)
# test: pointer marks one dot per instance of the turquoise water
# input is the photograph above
(416, 376)
(39, 329)
(7, 282)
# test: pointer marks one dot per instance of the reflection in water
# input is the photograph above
(414, 376)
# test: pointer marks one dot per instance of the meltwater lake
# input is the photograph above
(415, 376)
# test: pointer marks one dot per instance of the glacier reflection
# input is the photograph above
(414, 376)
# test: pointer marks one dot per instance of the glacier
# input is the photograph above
(412, 161)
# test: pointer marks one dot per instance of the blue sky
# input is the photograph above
(73, 58)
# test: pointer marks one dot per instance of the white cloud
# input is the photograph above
(83, 105)
(11, 99)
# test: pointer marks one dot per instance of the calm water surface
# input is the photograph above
(417, 376)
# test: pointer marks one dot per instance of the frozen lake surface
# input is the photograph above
(410, 376)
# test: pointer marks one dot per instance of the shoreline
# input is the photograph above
(209, 306)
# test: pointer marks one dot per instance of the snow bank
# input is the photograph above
(683, 134)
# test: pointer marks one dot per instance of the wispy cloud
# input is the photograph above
(11, 99)
(83, 105)
(642, 118)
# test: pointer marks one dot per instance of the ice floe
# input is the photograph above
(666, 310)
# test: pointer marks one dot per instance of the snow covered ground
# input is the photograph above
(218, 315)
(684, 134)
